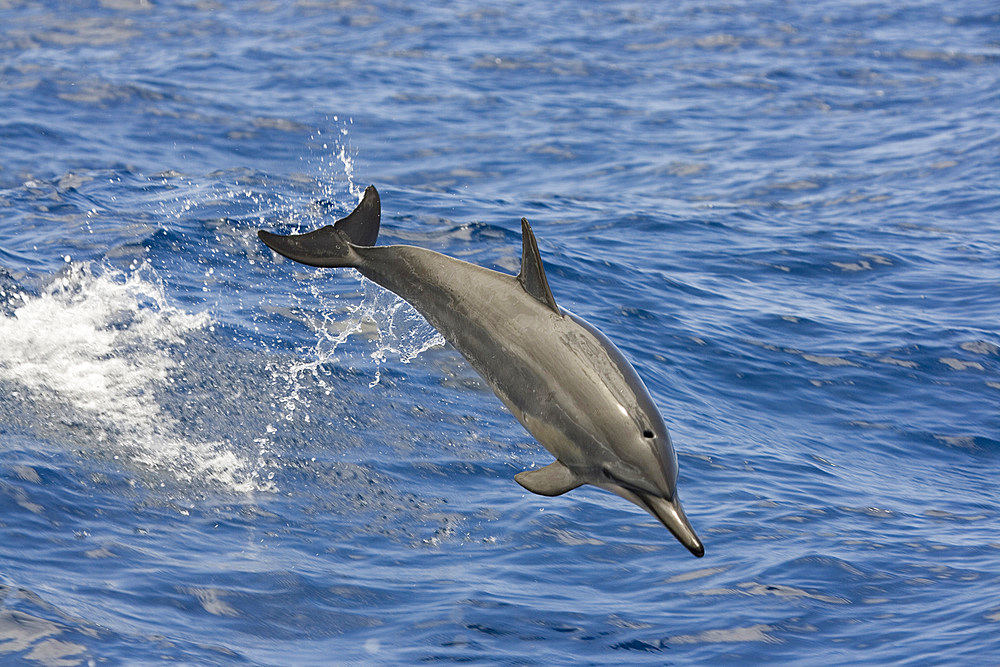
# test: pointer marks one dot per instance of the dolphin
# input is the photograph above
(558, 375)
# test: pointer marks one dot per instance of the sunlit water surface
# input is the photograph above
(786, 215)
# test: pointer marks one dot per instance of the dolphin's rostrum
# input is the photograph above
(563, 380)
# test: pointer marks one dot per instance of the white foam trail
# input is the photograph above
(102, 344)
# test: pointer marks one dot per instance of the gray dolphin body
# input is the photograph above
(563, 380)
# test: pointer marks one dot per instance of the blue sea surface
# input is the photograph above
(786, 215)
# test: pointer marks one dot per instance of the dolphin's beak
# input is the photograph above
(671, 515)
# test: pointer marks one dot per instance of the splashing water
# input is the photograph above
(401, 330)
(397, 330)
(94, 349)
(342, 162)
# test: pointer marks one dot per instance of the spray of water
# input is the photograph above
(399, 331)
(396, 329)
(334, 159)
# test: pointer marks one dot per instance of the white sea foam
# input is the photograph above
(101, 344)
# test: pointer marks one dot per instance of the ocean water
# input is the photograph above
(786, 215)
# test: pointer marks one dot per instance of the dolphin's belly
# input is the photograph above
(543, 367)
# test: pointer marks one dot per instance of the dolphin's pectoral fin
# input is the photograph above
(532, 275)
(554, 479)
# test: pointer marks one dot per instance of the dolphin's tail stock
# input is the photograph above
(332, 245)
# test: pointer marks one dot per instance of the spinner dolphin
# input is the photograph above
(559, 376)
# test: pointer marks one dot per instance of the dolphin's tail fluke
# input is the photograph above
(332, 245)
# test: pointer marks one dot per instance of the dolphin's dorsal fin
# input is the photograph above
(532, 275)
(554, 479)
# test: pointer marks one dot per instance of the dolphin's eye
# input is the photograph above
(647, 433)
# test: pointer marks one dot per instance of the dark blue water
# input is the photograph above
(787, 215)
